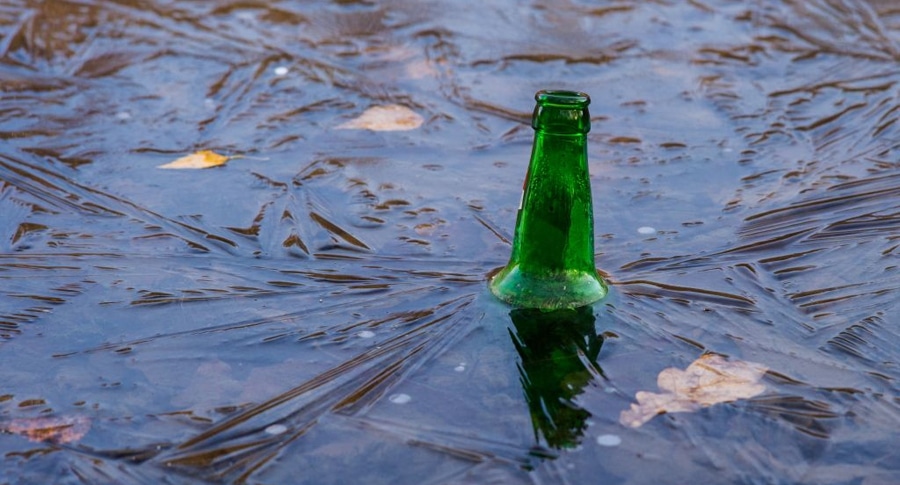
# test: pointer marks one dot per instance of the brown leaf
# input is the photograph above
(709, 380)
(61, 429)
(392, 117)
(201, 159)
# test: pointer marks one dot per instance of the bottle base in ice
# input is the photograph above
(550, 291)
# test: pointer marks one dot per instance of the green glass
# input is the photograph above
(552, 261)
(559, 351)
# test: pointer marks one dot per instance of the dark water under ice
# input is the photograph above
(316, 311)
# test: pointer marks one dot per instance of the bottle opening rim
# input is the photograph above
(564, 98)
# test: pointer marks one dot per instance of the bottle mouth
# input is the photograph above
(562, 98)
(561, 112)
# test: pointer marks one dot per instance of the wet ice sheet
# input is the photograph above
(330, 285)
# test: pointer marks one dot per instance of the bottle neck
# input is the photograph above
(559, 149)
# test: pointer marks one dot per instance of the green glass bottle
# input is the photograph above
(552, 261)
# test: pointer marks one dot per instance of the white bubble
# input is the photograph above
(609, 440)
(281, 71)
(276, 429)
(400, 398)
(646, 230)
(245, 16)
(123, 115)
(461, 367)
(366, 334)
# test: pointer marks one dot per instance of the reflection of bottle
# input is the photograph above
(556, 349)
(552, 262)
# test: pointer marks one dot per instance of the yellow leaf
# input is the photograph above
(709, 380)
(392, 117)
(201, 159)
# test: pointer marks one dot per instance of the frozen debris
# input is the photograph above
(201, 159)
(709, 380)
(392, 117)
(414, 66)
(59, 429)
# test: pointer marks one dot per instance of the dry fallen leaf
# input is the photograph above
(62, 429)
(709, 380)
(201, 159)
(392, 117)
